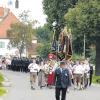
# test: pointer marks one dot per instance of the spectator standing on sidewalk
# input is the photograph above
(4, 63)
(0, 64)
(91, 74)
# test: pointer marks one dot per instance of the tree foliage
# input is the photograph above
(43, 50)
(21, 34)
(55, 11)
(84, 19)
(44, 36)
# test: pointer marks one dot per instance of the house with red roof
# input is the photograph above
(6, 19)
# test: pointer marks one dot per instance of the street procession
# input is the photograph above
(80, 71)
(49, 49)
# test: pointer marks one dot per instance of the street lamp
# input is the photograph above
(54, 44)
(54, 24)
(54, 38)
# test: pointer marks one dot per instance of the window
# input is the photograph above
(2, 44)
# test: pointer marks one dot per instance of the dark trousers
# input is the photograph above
(90, 79)
(61, 92)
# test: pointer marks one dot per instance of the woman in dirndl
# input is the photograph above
(50, 79)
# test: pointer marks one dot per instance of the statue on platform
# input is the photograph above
(63, 47)
(65, 39)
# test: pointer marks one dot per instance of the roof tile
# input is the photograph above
(5, 24)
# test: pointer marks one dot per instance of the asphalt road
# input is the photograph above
(20, 90)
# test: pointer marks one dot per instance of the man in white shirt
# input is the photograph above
(34, 69)
(78, 72)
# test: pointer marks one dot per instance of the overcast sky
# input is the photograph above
(35, 6)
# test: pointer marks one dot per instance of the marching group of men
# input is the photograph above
(20, 64)
(50, 73)
(62, 74)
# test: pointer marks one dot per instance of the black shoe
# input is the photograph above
(32, 88)
(40, 87)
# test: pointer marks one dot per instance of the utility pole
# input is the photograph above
(84, 45)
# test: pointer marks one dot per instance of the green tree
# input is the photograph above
(21, 33)
(44, 36)
(55, 11)
(43, 50)
(84, 19)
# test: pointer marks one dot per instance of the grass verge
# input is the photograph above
(2, 90)
(96, 79)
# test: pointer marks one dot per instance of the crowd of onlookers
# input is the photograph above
(4, 62)
(81, 71)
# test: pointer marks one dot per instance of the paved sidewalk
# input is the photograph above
(1, 98)
(20, 90)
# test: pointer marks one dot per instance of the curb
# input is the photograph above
(7, 82)
(96, 85)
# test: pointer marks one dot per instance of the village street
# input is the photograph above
(20, 90)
